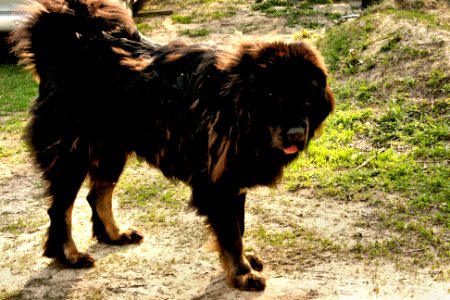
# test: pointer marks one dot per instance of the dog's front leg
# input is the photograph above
(225, 216)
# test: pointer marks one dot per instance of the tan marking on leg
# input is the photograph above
(70, 251)
(69, 247)
(72, 256)
(103, 206)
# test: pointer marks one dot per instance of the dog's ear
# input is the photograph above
(243, 59)
(255, 59)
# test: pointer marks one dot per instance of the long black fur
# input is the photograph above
(222, 121)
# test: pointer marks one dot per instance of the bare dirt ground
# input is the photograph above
(172, 262)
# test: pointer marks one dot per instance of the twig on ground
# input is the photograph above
(401, 248)
(370, 158)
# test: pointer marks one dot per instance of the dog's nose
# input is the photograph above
(296, 134)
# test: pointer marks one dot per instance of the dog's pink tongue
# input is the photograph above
(291, 150)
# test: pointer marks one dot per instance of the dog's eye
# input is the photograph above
(306, 106)
(274, 97)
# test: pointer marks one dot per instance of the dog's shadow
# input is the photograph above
(218, 289)
(56, 281)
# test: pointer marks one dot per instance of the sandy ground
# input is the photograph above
(172, 262)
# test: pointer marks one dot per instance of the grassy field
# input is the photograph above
(389, 141)
(17, 88)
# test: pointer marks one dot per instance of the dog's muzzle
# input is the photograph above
(297, 138)
(296, 134)
(291, 141)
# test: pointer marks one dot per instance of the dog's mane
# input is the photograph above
(233, 55)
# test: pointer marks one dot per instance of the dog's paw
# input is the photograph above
(253, 281)
(256, 262)
(130, 236)
(79, 260)
(133, 236)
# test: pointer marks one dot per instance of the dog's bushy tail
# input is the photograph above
(58, 33)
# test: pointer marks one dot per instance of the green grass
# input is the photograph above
(14, 123)
(11, 127)
(439, 82)
(21, 226)
(412, 52)
(158, 199)
(145, 28)
(417, 15)
(202, 16)
(293, 11)
(391, 43)
(17, 89)
(181, 19)
(295, 238)
(10, 295)
(194, 32)
(342, 45)
(400, 150)
(284, 8)
(228, 12)
(15, 227)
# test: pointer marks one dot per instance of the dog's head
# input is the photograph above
(284, 89)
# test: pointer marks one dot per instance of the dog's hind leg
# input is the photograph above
(65, 175)
(104, 175)
(225, 213)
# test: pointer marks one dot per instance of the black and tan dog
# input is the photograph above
(220, 121)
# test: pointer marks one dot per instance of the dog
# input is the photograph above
(220, 120)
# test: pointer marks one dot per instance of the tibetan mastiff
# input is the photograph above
(220, 120)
